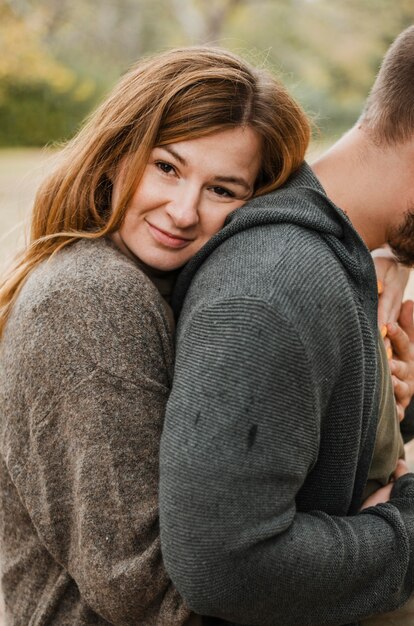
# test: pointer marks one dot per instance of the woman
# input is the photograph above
(86, 349)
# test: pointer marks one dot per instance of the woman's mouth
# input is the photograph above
(167, 239)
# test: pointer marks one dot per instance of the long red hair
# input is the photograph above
(175, 96)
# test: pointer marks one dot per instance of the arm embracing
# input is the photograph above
(392, 281)
(89, 474)
(240, 437)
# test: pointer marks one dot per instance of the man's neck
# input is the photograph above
(370, 183)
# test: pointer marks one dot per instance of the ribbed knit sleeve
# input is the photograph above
(240, 438)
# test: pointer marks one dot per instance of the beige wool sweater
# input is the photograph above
(85, 370)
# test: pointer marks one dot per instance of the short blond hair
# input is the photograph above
(389, 110)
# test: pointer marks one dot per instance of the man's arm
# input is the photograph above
(241, 436)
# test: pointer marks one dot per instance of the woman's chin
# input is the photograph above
(163, 262)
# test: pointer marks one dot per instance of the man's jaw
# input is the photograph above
(401, 240)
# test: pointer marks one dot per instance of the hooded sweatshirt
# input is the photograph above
(271, 424)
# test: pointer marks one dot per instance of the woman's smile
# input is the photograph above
(166, 238)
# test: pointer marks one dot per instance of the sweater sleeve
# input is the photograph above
(240, 437)
(86, 461)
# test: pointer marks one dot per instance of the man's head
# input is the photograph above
(369, 172)
(389, 110)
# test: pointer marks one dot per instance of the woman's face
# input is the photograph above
(187, 191)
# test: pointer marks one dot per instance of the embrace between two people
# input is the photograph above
(282, 492)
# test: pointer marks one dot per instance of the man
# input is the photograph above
(280, 406)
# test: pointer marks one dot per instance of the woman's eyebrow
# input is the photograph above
(174, 154)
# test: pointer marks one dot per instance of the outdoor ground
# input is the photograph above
(21, 171)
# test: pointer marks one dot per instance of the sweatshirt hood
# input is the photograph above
(301, 201)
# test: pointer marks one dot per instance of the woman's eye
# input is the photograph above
(221, 191)
(167, 168)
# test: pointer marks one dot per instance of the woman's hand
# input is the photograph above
(401, 335)
(396, 323)
(383, 494)
(392, 280)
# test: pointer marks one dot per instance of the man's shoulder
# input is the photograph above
(281, 271)
(270, 257)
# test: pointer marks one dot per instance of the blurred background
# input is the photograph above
(60, 57)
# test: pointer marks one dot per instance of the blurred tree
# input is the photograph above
(24, 57)
(203, 21)
(41, 99)
(100, 40)
(328, 52)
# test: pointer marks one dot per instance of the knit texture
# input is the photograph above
(85, 370)
(271, 424)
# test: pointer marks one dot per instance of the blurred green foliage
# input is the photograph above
(60, 56)
(37, 114)
(42, 100)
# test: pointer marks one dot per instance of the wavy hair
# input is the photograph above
(175, 96)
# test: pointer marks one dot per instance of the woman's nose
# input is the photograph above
(183, 208)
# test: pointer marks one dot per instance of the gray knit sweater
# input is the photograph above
(271, 424)
(85, 369)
